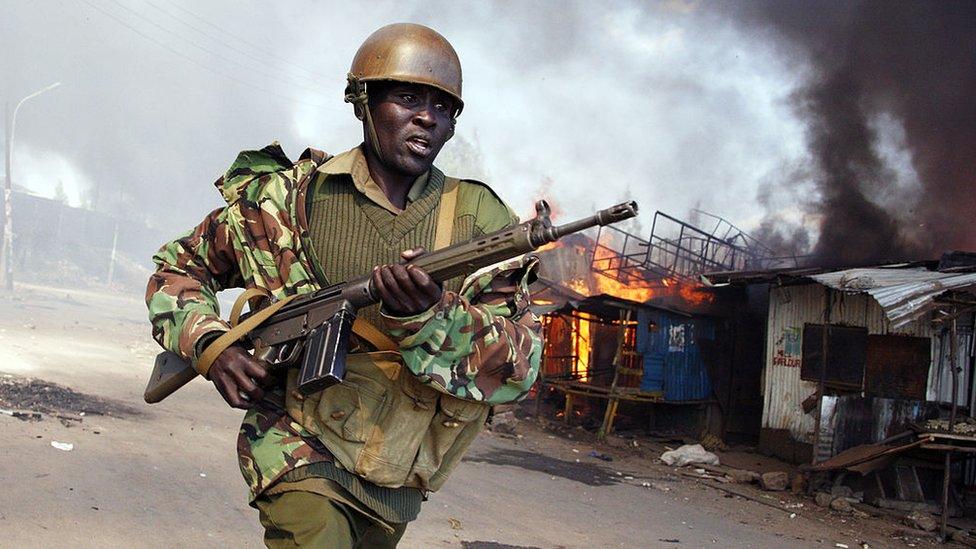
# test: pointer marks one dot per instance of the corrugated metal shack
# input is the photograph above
(670, 346)
(887, 362)
(605, 349)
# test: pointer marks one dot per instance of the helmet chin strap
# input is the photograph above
(356, 94)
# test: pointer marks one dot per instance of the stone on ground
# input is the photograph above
(775, 481)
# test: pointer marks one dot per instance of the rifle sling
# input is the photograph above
(367, 331)
(237, 331)
(446, 213)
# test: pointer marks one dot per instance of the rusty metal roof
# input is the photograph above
(904, 294)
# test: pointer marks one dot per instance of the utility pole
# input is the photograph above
(111, 261)
(7, 250)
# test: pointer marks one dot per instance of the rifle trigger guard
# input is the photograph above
(289, 353)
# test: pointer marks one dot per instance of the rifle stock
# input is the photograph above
(326, 315)
(170, 372)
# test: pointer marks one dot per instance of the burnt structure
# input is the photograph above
(627, 322)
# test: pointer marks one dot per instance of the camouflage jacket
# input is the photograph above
(480, 343)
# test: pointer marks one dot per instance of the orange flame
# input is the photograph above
(581, 346)
(640, 293)
(696, 294)
(637, 290)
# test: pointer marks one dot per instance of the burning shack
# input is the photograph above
(603, 351)
(631, 333)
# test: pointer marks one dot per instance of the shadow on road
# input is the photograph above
(493, 545)
(590, 474)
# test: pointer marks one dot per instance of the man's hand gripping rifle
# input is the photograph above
(313, 330)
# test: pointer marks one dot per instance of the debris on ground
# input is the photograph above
(712, 443)
(503, 423)
(774, 481)
(841, 505)
(921, 521)
(28, 398)
(22, 415)
(600, 456)
(688, 454)
(961, 536)
(743, 476)
(455, 523)
(65, 446)
(963, 425)
(823, 499)
(798, 484)
(659, 486)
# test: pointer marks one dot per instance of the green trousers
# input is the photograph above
(305, 519)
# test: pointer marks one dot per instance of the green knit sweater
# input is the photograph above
(351, 234)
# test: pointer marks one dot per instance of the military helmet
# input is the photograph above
(406, 52)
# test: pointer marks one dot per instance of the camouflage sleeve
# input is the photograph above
(480, 344)
(182, 293)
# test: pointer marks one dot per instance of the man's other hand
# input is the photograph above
(406, 290)
(239, 377)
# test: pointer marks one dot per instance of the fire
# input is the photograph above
(695, 294)
(641, 293)
(581, 346)
(636, 289)
(579, 286)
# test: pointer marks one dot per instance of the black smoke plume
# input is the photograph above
(912, 61)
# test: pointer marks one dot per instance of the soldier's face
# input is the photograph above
(412, 123)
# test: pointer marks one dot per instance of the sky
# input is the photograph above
(671, 104)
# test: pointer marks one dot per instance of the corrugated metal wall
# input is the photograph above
(940, 379)
(651, 345)
(672, 356)
(789, 309)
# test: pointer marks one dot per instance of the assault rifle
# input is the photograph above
(314, 329)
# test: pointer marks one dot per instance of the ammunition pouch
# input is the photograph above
(386, 426)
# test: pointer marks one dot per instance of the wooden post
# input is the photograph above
(947, 463)
(618, 357)
(568, 410)
(540, 382)
(824, 344)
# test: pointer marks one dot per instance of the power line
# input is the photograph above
(201, 48)
(312, 79)
(199, 64)
(239, 38)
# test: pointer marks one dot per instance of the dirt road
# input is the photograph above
(166, 475)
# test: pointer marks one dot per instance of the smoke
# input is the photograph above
(872, 65)
(674, 104)
(666, 103)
